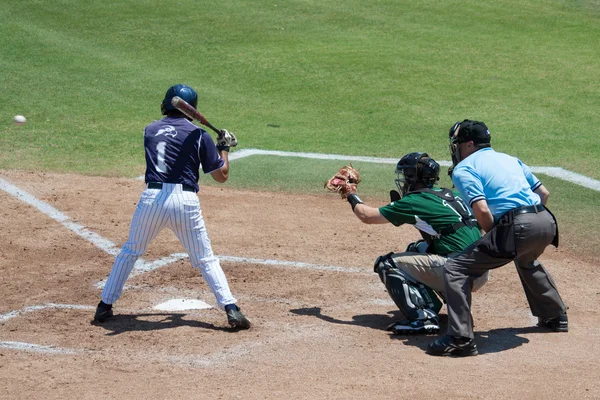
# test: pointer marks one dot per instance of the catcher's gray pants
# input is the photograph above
(533, 232)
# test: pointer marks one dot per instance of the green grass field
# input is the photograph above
(377, 78)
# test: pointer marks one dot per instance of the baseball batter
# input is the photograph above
(175, 150)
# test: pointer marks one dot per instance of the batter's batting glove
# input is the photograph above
(225, 140)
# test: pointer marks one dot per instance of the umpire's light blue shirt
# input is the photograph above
(503, 181)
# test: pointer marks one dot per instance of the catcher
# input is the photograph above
(414, 278)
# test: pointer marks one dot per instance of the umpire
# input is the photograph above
(509, 204)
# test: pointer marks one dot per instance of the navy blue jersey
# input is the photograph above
(175, 150)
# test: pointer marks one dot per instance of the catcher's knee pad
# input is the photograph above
(383, 261)
(415, 300)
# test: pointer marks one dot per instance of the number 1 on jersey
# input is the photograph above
(161, 166)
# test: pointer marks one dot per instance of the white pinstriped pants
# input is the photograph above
(180, 211)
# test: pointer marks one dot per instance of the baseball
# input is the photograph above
(19, 119)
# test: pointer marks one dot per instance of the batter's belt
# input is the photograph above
(159, 185)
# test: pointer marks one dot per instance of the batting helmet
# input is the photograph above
(185, 92)
(414, 168)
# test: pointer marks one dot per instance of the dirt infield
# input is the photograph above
(319, 319)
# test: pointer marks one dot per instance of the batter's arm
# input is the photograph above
(369, 215)
(222, 174)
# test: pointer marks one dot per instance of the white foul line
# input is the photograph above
(56, 215)
(568, 176)
(13, 314)
(36, 348)
(555, 172)
(149, 266)
(293, 264)
(142, 266)
(80, 230)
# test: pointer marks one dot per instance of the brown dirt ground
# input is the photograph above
(316, 335)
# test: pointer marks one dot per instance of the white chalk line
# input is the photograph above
(154, 265)
(318, 156)
(293, 264)
(219, 357)
(150, 266)
(141, 266)
(28, 309)
(566, 175)
(45, 208)
(36, 348)
(555, 172)
(286, 333)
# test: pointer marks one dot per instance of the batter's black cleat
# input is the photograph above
(427, 327)
(236, 319)
(452, 346)
(557, 324)
(103, 312)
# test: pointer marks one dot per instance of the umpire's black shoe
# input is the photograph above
(103, 312)
(236, 319)
(557, 324)
(452, 346)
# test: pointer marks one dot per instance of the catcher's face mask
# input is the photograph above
(415, 168)
(405, 180)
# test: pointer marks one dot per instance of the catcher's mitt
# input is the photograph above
(344, 181)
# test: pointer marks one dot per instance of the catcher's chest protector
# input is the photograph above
(457, 204)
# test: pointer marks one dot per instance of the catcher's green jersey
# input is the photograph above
(430, 214)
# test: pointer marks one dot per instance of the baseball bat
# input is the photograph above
(191, 112)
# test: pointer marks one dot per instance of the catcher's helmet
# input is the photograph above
(185, 92)
(416, 167)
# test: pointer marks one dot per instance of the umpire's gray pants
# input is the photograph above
(428, 269)
(533, 233)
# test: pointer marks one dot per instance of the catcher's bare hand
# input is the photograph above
(225, 140)
(344, 182)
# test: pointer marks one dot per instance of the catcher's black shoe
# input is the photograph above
(557, 324)
(427, 327)
(103, 312)
(236, 319)
(452, 346)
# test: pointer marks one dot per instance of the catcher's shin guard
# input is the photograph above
(416, 301)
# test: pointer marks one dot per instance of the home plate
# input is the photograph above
(182, 304)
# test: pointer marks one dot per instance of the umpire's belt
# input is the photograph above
(159, 185)
(528, 209)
